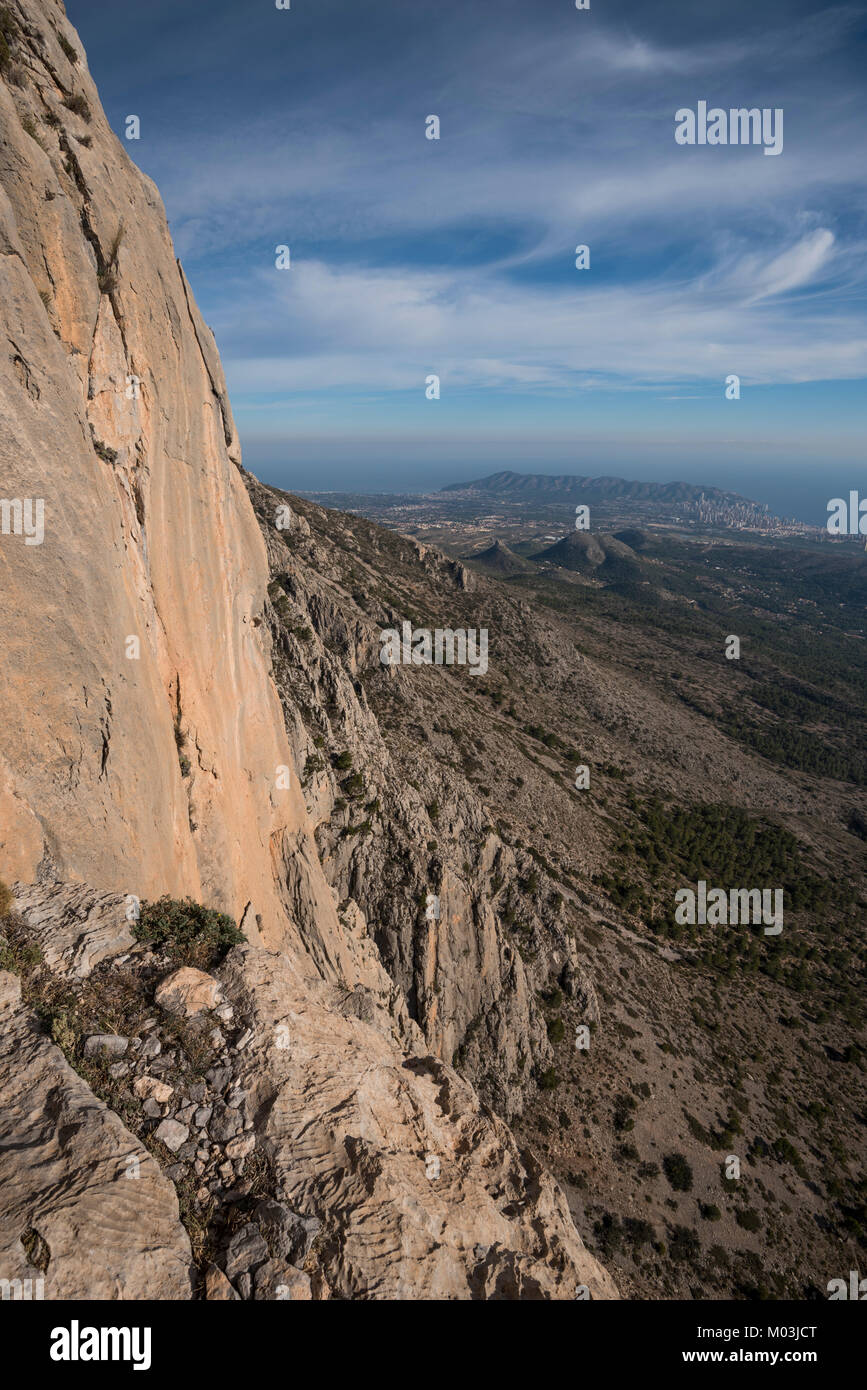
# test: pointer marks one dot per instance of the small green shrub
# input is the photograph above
(18, 954)
(343, 761)
(622, 1117)
(19, 957)
(685, 1244)
(8, 30)
(64, 1035)
(609, 1234)
(105, 452)
(785, 1152)
(556, 1030)
(77, 104)
(678, 1172)
(638, 1232)
(189, 933)
(749, 1219)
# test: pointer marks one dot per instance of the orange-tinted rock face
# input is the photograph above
(138, 611)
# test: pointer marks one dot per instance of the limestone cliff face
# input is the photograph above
(113, 412)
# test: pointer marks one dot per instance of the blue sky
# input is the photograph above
(306, 127)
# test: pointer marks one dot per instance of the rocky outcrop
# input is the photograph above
(84, 1205)
(367, 1168)
(420, 1191)
(74, 927)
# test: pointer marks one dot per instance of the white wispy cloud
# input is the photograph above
(704, 261)
(380, 330)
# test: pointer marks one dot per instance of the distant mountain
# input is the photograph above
(635, 539)
(568, 487)
(587, 553)
(499, 560)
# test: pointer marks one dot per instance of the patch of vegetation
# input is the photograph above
(104, 451)
(313, 765)
(609, 1234)
(36, 1249)
(363, 828)
(556, 1030)
(66, 46)
(18, 954)
(8, 33)
(29, 126)
(181, 743)
(638, 1232)
(189, 933)
(748, 1219)
(107, 277)
(684, 1244)
(622, 1118)
(785, 1152)
(77, 103)
(678, 1171)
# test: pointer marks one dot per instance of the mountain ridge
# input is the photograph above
(542, 486)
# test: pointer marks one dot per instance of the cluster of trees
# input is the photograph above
(731, 849)
(674, 846)
(783, 743)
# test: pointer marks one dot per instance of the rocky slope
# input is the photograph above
(394, 826)
(432, 780)
(306, 1113)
